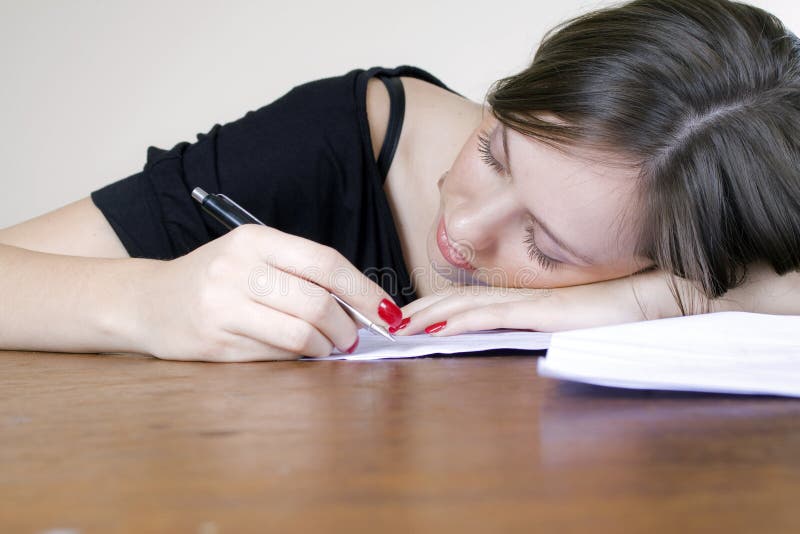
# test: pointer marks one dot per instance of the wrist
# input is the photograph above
(125, 309)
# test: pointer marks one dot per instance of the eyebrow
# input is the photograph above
(539, 222)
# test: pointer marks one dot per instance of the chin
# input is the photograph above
(456, 275)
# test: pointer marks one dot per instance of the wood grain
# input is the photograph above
(465, 444)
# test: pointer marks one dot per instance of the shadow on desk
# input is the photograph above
(583, 422)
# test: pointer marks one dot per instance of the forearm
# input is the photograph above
(63, 303)
(763, 291)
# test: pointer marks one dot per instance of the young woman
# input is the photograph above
(646, 164)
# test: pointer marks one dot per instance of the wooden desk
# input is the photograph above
(124, 443)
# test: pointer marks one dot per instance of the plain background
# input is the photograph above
(87, 86)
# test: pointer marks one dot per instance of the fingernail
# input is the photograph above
(403, 324)
(353, 348)
(389, 312)
(435, 327)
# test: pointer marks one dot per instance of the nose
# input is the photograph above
(478, 223)
(440, 181)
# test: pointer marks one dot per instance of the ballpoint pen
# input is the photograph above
(231, 215)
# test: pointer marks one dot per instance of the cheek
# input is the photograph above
(517, 270)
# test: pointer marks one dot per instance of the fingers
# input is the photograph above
(285, 332)
(304, 300)
(516, 315)
(541, 310)
(445, 308)
(450, 291)
(421, 303)
(328, 268)
(240, 348)
(435, 314)
(230, 347)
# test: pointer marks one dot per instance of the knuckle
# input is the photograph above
(218, 268)
(243, 235)
(321, 350)
(263, 280)
(318, 309)
(299, 338)
(326, 258)
(310, 291)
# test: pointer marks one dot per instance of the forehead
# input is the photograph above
(585, 195)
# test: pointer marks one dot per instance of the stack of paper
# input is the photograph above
(730, 352)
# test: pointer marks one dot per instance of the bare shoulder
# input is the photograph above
(433, 110)
(429, 108)
(437, 122)
(377, 113)
(425, 97)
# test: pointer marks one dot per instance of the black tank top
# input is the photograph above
(303, 164)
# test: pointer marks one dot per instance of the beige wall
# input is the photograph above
(87, 86)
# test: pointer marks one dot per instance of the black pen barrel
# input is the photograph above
(223, 209)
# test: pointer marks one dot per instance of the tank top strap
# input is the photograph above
(397, 111)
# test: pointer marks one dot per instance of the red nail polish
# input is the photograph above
(435, 327)
(353, 348)
(389, 312)
(403, 324)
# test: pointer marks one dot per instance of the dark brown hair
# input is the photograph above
(703, 96)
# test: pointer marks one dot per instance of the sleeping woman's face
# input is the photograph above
(515, 212)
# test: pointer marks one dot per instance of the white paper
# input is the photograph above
(372, 346)
(727, 352)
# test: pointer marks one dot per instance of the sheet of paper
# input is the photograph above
(726, 352)
(372, 346)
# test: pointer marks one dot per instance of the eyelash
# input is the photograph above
(546, 262)
(484, 147)
(534, 253)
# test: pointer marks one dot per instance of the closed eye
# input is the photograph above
(534, 253)
(485, 150)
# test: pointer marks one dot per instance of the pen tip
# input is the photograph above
(382, 331)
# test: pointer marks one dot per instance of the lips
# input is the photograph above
(449, 252)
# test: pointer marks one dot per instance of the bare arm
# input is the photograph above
(639, 297)
(62, 291)
(63, 303)
(77, 229)
(201, 306)
(763, 292)
(68, 284)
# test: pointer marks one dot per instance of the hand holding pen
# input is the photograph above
(324, 314)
